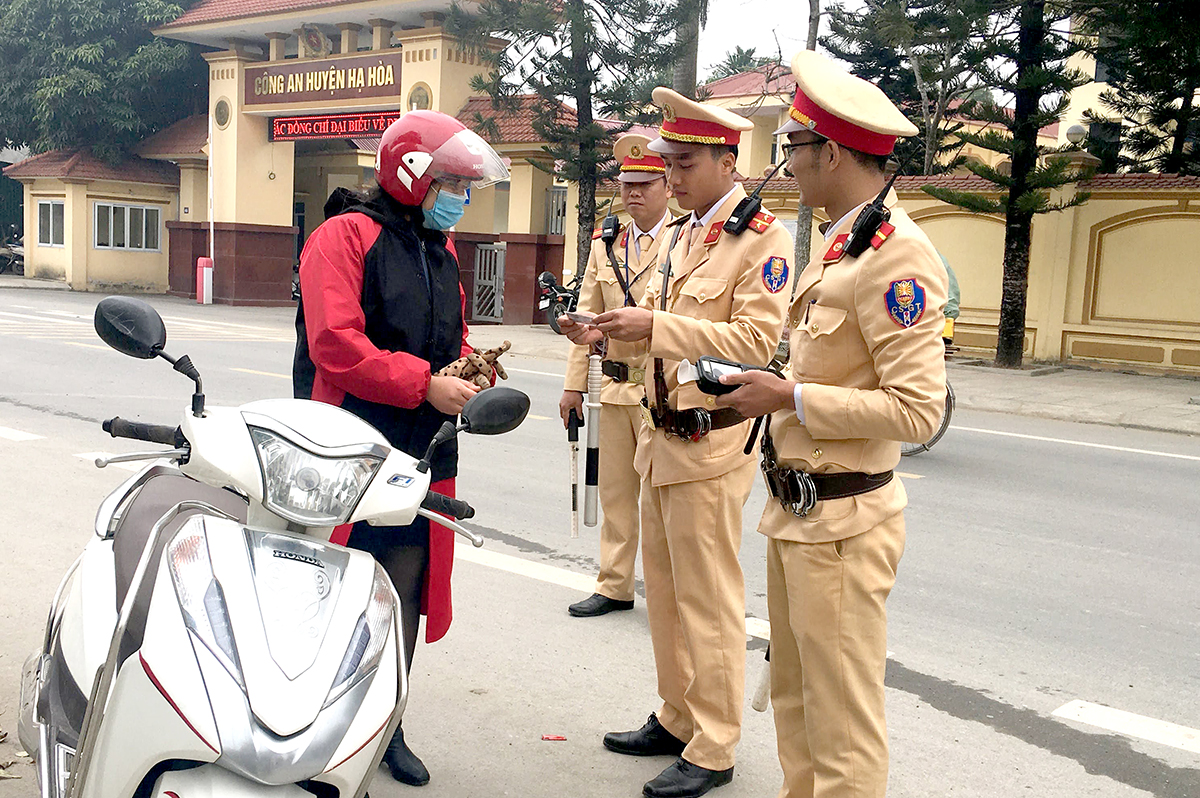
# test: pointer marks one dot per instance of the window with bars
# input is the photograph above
(50, 223)
(128, 227)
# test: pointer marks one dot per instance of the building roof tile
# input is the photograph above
(188, 136)
(754, 83)
(80, 164)
(221, 10)
(517, 127)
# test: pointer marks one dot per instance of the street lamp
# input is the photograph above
(1076, 134)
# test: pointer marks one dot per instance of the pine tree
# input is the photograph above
(920, 53)
(594, 55)
(737, 61)
(1152, 65)
(77, 73)
(1024, 59)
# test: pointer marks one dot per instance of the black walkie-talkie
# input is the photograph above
(748, 208)
(870, 219)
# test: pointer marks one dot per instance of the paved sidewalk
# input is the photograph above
(16, 281)
(1169, 404)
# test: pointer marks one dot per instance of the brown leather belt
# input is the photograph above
(622, 372)
(799, 491)
(693, 424)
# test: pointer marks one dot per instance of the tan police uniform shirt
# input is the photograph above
(872, 375)
(600, 292)
(726, 297)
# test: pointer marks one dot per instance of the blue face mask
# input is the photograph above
(446, 211)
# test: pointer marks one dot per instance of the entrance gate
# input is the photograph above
(487, 303)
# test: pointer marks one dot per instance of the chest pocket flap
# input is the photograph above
(702, 289)
(823, 320)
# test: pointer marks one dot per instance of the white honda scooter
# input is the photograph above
(210, 640)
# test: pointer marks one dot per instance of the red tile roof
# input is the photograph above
(752, 84)
(1141, 182)
(221, 10)
(517, 128)
(186, 137)
(82, 165)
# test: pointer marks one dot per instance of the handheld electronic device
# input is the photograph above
(708, 371)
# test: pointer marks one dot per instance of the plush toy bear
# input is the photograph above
(479, 366)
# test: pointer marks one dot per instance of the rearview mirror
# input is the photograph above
(493, 411)
(130, 326)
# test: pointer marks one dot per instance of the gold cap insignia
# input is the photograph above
(635, 152)
(668, 113)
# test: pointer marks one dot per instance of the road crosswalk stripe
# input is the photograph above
(10, 434)
(1131, 725)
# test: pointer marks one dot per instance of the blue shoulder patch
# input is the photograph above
(775, 274)
(905, 301)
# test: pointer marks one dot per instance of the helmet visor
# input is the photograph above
(467, 160)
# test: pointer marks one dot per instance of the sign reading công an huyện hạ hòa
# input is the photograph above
(327, 79)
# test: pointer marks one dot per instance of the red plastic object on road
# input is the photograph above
(554, 738)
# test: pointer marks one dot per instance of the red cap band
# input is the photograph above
(695, 131)
(823, 123)
(647, 163)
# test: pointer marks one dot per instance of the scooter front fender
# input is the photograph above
(211, 781)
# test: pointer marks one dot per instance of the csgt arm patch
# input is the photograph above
(905, 301)
(775, 274)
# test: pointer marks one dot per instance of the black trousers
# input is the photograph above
(403, 551)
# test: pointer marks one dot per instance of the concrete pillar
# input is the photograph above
(433, 19)
(277, 50)
(193, 191)
(571, 232)
(75, 233)
(1059, 233)
(528, 197)
(381, 33)
(252, 177)
(349, 36)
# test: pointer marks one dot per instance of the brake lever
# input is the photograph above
(170, 454)
(450, 523)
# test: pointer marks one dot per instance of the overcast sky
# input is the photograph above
(752, 23)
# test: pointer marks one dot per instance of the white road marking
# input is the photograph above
(10, 434)
(263, 373)
(1087, 444)
(88, 346)
(1131, 725)
(539, 418)
(91, 458)
(907, 475)
(539, 373)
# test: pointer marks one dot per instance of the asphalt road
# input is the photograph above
(1051, 568)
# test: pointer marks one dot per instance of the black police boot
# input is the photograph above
(597, 604)
(403, 763)
(685, 780)
(650, 740)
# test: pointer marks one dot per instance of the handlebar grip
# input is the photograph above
(454, 508)
(154, 433)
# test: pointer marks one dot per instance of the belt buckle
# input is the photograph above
(647, 416)
(637, 376)
(804, 493)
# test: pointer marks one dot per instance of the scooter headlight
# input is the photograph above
(307, 488)
(200, 596)
(370, 635)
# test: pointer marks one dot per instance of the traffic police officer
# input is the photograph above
(866, 371)
(720, 294)
(608, 285)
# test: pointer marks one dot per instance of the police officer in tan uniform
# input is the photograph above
(866, 371)
(715, 293)
(607, 286)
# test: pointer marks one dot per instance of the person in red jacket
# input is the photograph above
(381, 311)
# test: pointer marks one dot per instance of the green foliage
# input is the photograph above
(1151, 62)
(77, 73)
(737, 61)
(921, 54)
(595, 57)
